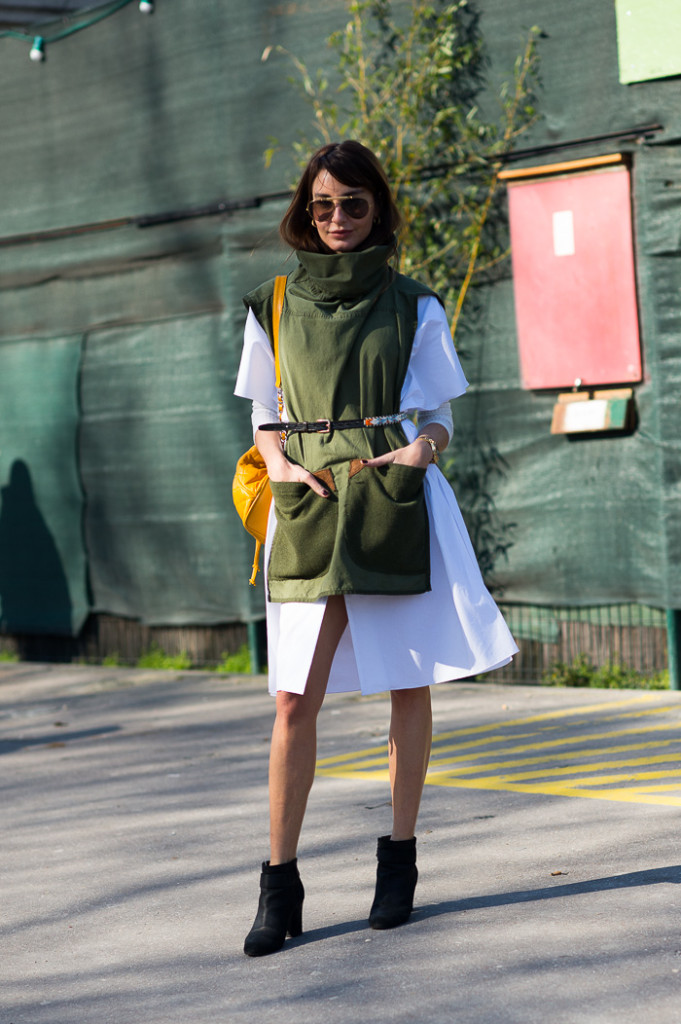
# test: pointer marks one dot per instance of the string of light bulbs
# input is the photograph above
(53, 31)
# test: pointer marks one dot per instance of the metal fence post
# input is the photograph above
(254, 647)
(673, 648)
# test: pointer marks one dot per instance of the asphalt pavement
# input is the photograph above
(134, 823)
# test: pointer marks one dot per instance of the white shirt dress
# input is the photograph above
(453, 631)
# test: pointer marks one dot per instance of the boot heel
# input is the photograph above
(295, 922)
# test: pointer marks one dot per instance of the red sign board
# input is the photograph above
(574, 283)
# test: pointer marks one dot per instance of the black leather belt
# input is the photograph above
(327, 426)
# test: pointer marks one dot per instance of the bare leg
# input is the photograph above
(294, 740)
(411, 728)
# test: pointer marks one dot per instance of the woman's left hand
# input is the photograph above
(418, 454)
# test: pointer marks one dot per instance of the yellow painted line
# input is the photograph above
(604, 780)
(576, 788)
(577, 764)
(649, 711)
(624, 748)
(378, 754)
(588, 709)
(362, 758)
(660, 789)
(632, 796)
(575, 769)
(546, 716)
(373, 754)
(565, 740)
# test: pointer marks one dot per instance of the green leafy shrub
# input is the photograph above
(239, 662)
(155, 657)
(112, 660)
(610, 676)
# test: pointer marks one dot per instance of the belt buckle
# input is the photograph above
(323, 429)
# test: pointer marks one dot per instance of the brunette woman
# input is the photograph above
(372, 583)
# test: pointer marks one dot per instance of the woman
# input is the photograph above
(371, 579)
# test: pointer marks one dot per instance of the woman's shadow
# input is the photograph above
(629, 880)
(34, 592)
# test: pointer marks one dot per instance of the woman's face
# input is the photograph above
(340, 231)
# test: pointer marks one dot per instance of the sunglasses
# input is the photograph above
(355, 207)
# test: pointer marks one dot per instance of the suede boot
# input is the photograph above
(396, 877)
(280, 909)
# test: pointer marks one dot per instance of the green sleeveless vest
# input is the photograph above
(347, 330)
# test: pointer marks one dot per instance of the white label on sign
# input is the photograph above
(585, 416)
(563, 233)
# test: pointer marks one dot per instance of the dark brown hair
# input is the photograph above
(353, 165)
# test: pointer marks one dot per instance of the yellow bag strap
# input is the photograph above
(256, 562)
(279, 290)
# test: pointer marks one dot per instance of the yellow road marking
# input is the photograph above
(589, 708)
(624, 748)
(632, 796)
(604, 780)
(575, 769)
(661, 789)
(575, 764)
(480, 744)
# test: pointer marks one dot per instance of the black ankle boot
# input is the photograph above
(395, 882)
(280, 909)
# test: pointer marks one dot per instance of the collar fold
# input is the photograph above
(345, 275)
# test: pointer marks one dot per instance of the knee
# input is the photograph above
(294, 710)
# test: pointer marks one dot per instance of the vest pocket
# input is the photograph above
(386, 529)
(306, 528)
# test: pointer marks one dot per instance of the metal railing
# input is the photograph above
(630, 635)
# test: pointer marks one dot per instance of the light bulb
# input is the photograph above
(38, 49)
(146, 6)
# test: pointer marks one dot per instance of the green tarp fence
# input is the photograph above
(119, 441)
(42, 559)
(119, 345)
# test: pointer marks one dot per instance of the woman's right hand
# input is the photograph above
(288, 472)
(282, 470)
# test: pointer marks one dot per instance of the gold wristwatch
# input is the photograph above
(433, 446)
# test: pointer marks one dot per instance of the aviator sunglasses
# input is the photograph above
(355, 207)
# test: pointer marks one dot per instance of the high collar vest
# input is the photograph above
(346, 334)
